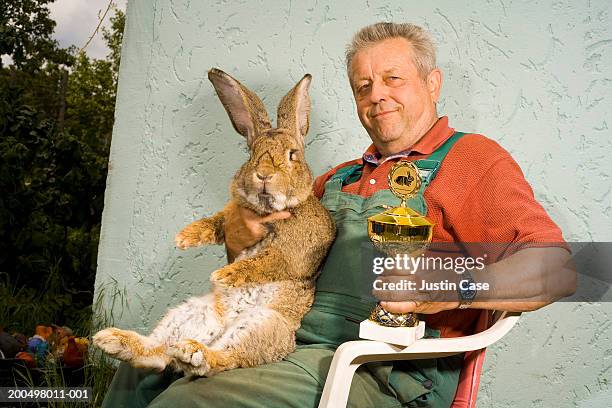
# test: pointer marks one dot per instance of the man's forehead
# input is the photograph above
(387, 66)
(383, 57)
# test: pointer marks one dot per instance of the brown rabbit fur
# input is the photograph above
(258, 301)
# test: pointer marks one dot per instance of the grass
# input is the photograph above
(99, 368)
(18, 305)
(52, 302)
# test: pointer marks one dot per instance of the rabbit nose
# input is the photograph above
(264, 177)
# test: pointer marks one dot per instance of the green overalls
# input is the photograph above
(343, 299)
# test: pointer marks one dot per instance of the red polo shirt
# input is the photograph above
(479, 195)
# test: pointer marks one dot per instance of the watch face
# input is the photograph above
(469, 293)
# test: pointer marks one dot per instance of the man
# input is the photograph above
(476, 193)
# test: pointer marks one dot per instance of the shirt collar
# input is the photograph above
(427, 144)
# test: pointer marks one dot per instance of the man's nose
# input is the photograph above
(378, 92)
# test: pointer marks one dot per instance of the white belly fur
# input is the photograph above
(244, 308)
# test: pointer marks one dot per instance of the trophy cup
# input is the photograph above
(398, 231)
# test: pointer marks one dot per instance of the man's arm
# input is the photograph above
(525, 281)
(528, 280)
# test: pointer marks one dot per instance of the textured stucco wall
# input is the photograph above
(534, 75)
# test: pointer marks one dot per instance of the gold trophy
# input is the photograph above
(398, 231)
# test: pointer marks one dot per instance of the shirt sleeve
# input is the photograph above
(501, 207)
(318, 187)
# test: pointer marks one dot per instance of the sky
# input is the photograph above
(76, 21)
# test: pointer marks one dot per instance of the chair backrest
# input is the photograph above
(469, 379)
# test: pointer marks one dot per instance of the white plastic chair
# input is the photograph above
(352, 354)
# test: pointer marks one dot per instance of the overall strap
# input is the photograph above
(428, 168)
(342, 174)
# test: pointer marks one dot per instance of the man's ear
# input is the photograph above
(434, 84)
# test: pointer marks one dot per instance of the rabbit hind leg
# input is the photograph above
(133, 348)
(260, 336)
(198, 317)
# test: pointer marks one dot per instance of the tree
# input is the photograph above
(25, 34)
(56, 118)
(113, 39)
(92, 90)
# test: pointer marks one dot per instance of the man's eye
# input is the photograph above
(363, 87)
(395, 81)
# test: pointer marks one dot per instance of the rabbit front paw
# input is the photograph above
(193, 235)
(228, 276)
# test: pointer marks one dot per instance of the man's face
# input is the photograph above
(395, 105)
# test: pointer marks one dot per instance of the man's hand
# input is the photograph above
(418, 307)
(244, 228)
(417, 300)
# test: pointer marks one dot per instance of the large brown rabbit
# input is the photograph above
(258, 301)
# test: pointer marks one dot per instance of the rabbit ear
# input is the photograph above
(294, 108)
(246, 111)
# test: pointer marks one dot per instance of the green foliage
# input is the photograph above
(113, 39)
(56, 118)
(25, 34)
(90, 102)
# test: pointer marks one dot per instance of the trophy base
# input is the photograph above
(402, 336)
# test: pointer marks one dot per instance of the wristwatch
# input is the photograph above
(467, 291)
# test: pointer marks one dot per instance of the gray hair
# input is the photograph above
(422, 44)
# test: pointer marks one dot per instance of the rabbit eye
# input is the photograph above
(293, 155)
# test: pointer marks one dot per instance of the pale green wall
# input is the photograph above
(536, 76)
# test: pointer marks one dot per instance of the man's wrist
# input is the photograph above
(466, 290)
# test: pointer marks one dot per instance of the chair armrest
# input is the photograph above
(352, 354)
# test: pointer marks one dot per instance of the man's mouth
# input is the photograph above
(383, 113)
